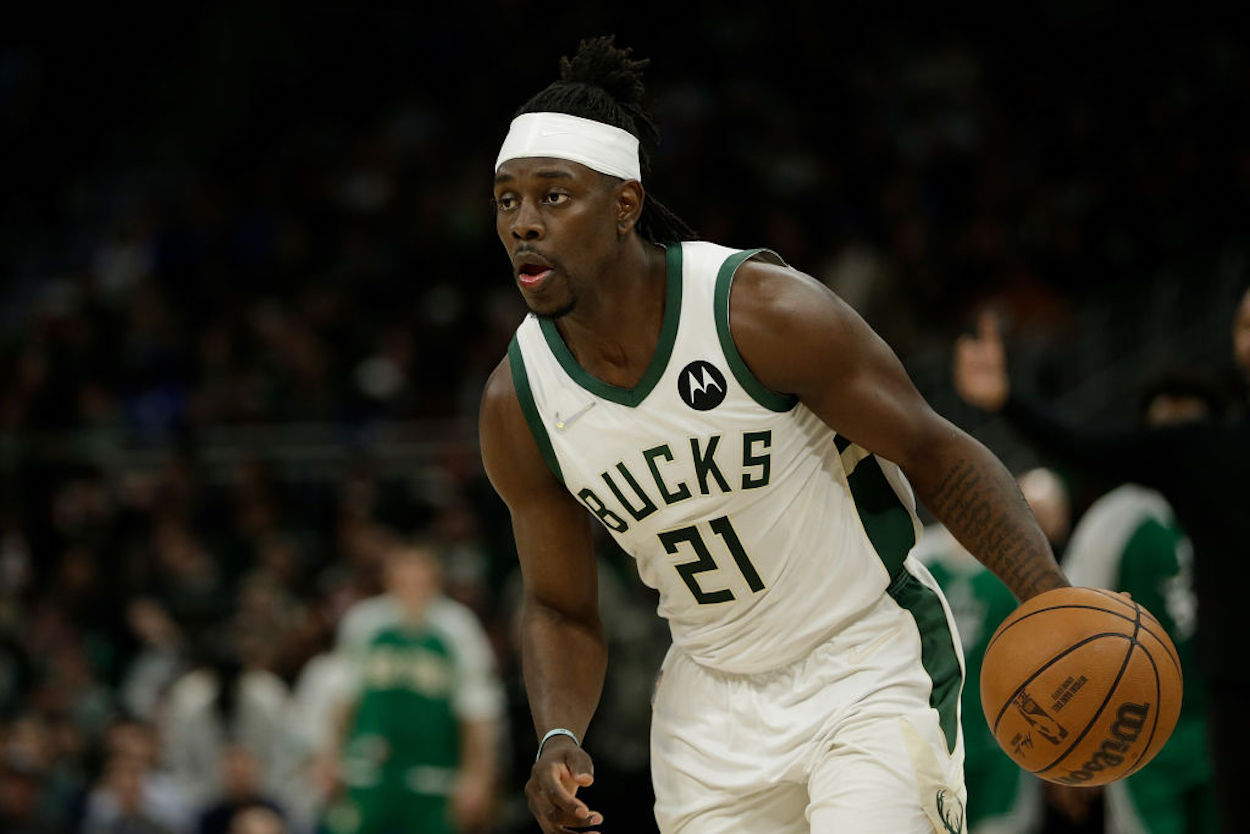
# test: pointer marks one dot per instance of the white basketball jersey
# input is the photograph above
(763, 531)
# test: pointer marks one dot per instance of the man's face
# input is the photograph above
(411, 576)
(1241, 336)
(558, 221)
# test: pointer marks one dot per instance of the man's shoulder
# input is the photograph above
(1129, 502)
(368, 609)
(723, 261)
(454, 617)
(756, 283)
(363, 619)
(498, 387)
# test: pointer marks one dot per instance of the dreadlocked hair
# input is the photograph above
(601, 82)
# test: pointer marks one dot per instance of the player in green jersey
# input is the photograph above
(1129, 540)
(419, 750)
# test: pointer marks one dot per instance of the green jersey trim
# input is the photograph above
(759, 392)
(521, 383)
(888, 525)
(631, 397)
(886, 521)
(937, 650)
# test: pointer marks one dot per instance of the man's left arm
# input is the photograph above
(845, 373)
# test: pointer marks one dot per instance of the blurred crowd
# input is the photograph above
(287, 221)
(169, 660)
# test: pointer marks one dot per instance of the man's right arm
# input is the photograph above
(563, 651)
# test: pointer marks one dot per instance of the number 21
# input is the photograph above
(691, 535)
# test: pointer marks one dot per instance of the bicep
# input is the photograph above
(551, 529)
(832, 360)
(555, 547)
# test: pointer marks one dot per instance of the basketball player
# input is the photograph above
(754, 445)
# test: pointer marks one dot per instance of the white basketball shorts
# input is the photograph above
(862, 735)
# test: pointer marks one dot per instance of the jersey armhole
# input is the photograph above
(521, 384)
(759, 392)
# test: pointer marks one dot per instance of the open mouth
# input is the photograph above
(531, 275)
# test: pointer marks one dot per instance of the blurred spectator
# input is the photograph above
(241, 790)
(121, 805)
(159, 661)
(27, 758)
(1128, 540)
(185, 577)
(464, 557)
(227, 700)
(19, 801)
(257, 819)
(420, 738)
(133, 788)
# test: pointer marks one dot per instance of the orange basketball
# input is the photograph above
(1081, 686)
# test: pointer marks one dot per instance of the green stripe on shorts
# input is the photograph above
(886, 521)
(889, 527)
(937, 650)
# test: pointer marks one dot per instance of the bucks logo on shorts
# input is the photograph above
(951, 811)
(701, 385)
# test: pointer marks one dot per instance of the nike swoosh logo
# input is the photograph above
(860, 653)
(563, 424)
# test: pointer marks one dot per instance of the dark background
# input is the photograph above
(250, 289)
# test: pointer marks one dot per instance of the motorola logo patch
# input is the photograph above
(701, 385)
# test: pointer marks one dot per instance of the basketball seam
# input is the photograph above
(1007, 626)
(1173, 655)
(1158, 712)
(1051, 662)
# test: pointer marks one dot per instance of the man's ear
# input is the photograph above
(629, 199)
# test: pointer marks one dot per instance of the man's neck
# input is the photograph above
(614, 333)
(412, 613)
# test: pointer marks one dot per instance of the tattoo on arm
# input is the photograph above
(987, 513)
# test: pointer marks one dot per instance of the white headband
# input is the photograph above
(601, 147)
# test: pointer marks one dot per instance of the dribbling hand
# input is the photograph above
(552, 789)
(980, 372)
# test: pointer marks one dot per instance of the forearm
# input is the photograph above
(976, 498)
(478, 760)
(564, 660)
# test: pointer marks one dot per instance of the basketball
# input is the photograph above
(1081, 686)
